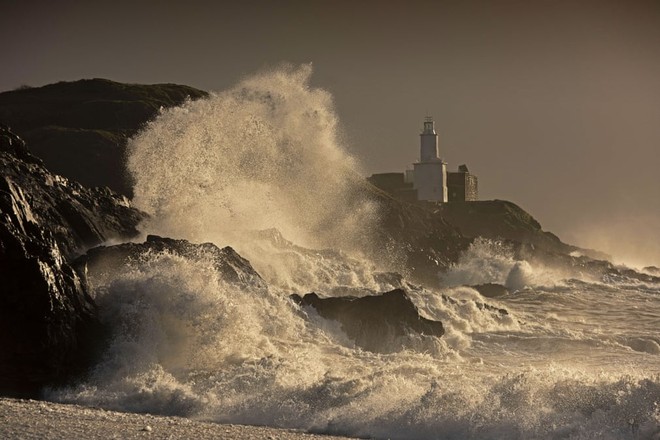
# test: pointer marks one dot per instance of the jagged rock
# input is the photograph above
(44, 308)
(230, 265)
(491, 290)
(371, 321)
(11, 143)
(46, 314)
(78, 217)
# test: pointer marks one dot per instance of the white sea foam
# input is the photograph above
(492, 261)
(187, 343)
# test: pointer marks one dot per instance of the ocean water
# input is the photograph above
(262, 167)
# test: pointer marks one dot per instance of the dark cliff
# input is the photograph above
(430, 237)
(504, 220)
(46, 315)
(80, 128)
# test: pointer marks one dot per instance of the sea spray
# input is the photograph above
(493, 261)
(264, 154)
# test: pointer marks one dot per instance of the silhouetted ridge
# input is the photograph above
(80, 128)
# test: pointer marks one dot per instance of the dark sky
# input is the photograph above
(555, 105)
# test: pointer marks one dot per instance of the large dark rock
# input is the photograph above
(373, 321)
(431, 237)
(104, 261)
(46, 315)
(491, 290)
(44, 308)
(77, 217)
(80, 128)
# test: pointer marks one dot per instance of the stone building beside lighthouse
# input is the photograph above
(429, 180)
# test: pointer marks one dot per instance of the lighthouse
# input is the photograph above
(430, 173)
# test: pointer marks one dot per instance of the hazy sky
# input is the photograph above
(555, 105)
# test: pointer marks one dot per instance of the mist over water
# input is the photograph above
(260, 167)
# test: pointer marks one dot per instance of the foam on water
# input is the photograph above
(187, 343)
(572, 359)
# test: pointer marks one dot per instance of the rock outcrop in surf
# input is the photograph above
(372, 322)
(80, 129)
(226, 261)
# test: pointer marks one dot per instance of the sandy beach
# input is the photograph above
(32, 419)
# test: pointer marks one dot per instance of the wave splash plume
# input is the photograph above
(264, 154)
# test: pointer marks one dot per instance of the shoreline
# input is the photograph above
(38, 419)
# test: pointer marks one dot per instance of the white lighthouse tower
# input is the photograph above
(430, 175)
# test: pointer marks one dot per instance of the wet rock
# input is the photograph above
(490, 290)
(44, 308)
(371, 321)
(46, 315)
(77, 217)
(499, 311)
(105, 260)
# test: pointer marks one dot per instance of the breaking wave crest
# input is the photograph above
(492, 261)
